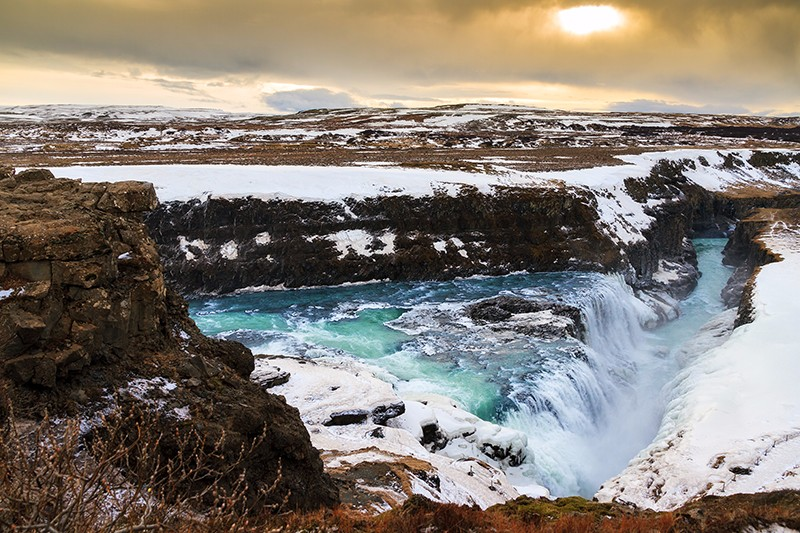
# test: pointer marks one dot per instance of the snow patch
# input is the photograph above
(184, 245)
(229, 250)
(362, 243)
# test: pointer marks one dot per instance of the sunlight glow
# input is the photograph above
(584, 20)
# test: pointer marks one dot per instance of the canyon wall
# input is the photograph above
(88, 326)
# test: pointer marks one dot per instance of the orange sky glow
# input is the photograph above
(731, 56)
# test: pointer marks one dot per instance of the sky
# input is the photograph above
(278, 56)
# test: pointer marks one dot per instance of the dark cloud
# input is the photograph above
(730, 52)
(305, 99)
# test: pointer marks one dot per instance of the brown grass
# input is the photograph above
(54, 477)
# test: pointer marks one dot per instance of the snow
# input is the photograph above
(361, 242)
(184, 245)
(732, 424)
(158, 114)
(263, 238)
(620, 216)
(184, 182)
(181, 413)
(5, 293)
(466, 475)
(320, 388)
(455, 119)
(229, 250)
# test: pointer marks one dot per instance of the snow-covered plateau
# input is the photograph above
(620, 216)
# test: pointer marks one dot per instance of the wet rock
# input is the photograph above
(382, 413)
(531, 317)
(344, 418)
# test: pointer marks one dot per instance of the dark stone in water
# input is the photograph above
(502, 309)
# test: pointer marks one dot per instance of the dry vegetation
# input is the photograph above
(101, 475)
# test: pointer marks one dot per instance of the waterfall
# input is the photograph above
(587, 407)
(586, 416)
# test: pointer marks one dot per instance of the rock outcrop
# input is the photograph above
(535, 318)
(747, 251)
(87, 324)
(219, 245)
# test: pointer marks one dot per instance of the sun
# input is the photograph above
(583, 20)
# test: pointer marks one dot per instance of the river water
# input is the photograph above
(587, 407)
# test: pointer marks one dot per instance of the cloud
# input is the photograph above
(660, 106)
(178, 86)
(731, 52)
(305, 99)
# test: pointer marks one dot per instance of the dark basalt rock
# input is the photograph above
(85, 312)
(290, 242)
(382, 413)
(502, 308)
(499, 453)
(345, 418)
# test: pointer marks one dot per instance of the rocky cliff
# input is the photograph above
(219, 245)
(88, 326)
(639, 226)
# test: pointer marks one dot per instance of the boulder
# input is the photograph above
(537, 318)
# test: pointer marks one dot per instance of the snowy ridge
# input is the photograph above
(733, 422)
(620, 216)
(85, 113)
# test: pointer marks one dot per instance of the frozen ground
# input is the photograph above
(470, 137)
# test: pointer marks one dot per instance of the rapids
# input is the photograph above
(587, 407)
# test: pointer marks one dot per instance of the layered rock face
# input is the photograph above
(219, 245)
(81, 279)
(87, 323)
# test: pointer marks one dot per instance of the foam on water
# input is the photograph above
(587, 408)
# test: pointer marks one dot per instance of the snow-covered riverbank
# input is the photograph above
(733, 421)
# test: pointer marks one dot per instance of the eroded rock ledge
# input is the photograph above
(87, 325)
(639, 226)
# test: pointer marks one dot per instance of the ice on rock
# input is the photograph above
(448, 429)
(322, 389)
(461, 473)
